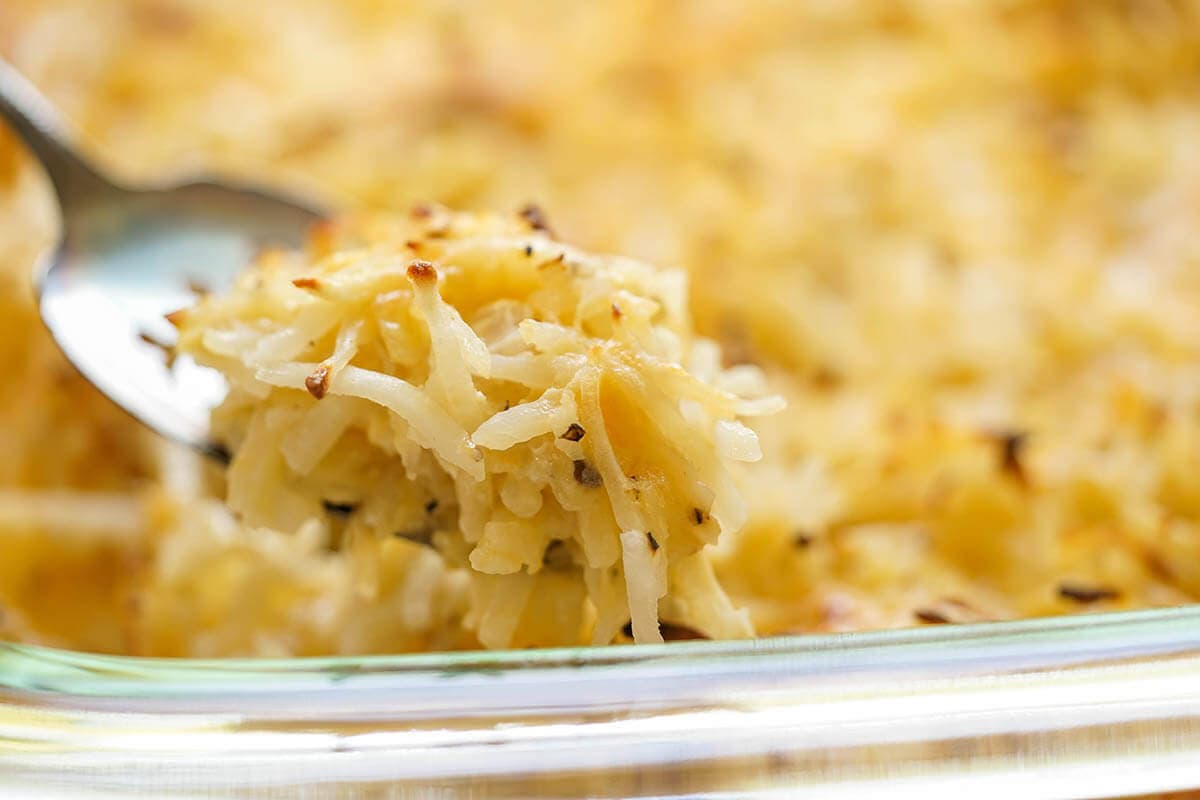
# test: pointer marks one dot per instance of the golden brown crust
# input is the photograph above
(422, 273)
(318, 382)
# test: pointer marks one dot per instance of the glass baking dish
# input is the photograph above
(1087, 706)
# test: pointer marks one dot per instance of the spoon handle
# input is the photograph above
(48, 135)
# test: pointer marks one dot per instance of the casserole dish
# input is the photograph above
(1090, 706)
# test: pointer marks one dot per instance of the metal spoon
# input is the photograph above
(126, 256)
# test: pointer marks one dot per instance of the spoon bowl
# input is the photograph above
(126, 257)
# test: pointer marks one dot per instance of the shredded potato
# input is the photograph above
(958, 238)
(511, 465)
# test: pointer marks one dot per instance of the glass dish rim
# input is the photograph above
(1048, 640)
(1035, 699)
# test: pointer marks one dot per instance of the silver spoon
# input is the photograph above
(126, 256)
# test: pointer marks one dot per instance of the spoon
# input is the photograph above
(128, 255)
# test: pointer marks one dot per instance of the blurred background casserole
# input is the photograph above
(960, 237)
